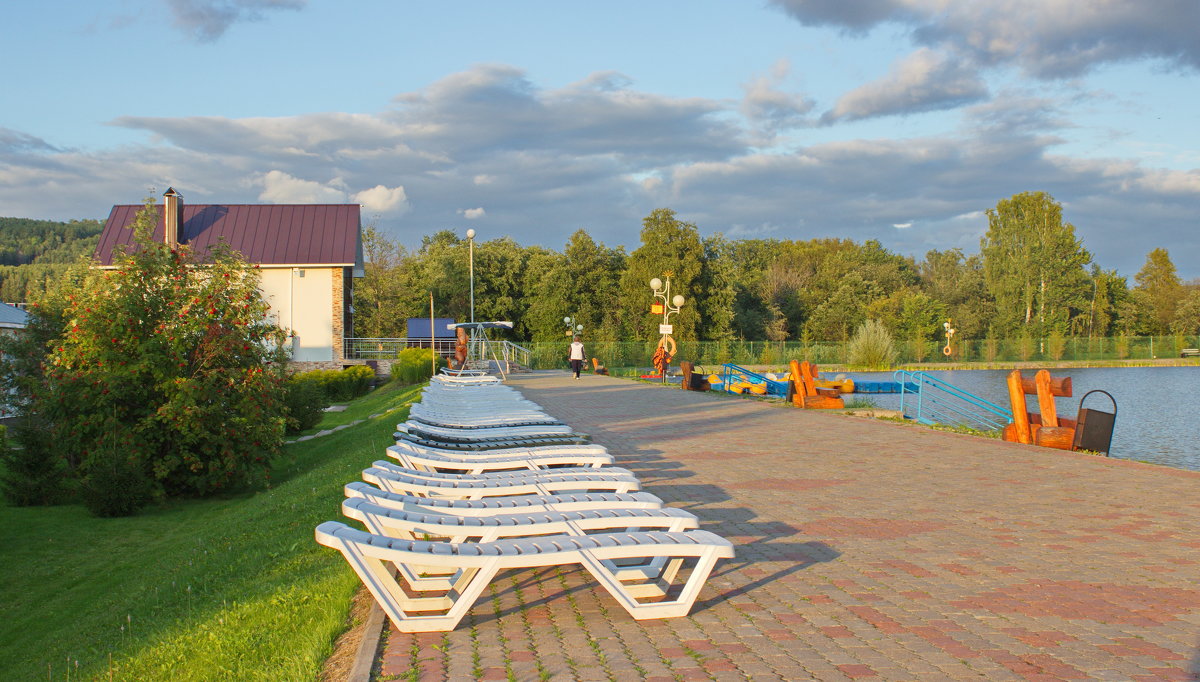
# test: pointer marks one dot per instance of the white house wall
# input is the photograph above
(303, 304)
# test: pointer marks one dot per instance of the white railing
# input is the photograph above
(386, 349)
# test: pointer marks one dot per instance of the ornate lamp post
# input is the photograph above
(950, 332)
(572, 328)
(471, 251)
(667, 305)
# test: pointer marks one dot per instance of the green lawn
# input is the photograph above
(232, 588)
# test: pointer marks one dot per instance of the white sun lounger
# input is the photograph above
(482, 432)
(414, 525)
(470, 488)
(476, 564)
(414, 456)
(457, 421)
(431, 524)
(488, 444)
(491, 506)
(506, 475)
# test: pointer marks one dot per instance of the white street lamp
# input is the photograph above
(471, 250)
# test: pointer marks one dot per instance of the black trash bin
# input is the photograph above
(1094, 428)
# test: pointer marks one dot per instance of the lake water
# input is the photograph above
(1158, 408)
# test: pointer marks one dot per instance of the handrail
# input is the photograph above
(363, 348)
(940, 402)
(774, 386)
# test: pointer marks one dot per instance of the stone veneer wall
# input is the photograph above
(338, 312)
(383, 368)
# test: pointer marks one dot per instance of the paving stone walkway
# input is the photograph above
(865, 550)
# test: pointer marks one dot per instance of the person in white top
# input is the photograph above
(576, 356)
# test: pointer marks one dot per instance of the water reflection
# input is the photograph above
(1157, 406)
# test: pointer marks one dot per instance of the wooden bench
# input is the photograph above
(1043, 428)
(1190, 353)
(807, 395)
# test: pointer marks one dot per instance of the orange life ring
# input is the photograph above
(668, 344)
(947, 351)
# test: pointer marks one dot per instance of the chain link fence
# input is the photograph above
(628, 354)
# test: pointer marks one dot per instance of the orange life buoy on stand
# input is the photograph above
(663, 354)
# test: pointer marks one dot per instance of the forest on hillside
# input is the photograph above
(35, 253)
(1032, 278)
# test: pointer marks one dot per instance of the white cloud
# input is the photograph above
(765, 103)
(923, 81)
(539, 159)
(281, 188)
(902, 226)
(384, 200)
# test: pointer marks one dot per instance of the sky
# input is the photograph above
(901, 121)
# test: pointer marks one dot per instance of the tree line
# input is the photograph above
(36, 253)
(1032, 277)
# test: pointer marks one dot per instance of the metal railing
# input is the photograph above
(505, 351)
(934, 401)
(389, 349)
(512, 353)
(730, 372)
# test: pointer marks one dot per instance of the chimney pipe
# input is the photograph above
(173, 220)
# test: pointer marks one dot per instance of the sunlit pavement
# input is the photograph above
(865, 549)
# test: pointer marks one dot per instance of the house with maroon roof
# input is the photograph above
(308, 254)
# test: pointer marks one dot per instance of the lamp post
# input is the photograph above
(572, 328)
(669, 306)
(950, 332)
(471, 252)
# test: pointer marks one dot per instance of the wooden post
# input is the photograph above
(1016, 397)
(1046, 398)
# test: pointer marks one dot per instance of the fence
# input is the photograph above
(544, 355)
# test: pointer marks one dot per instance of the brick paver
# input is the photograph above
(866, 550)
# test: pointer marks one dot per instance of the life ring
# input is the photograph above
(947, 351)
(667, 343)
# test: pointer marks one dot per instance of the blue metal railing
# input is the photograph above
(938, 402)
(730, 371)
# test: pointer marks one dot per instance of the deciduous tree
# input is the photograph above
(1033, 265)
(165, 375)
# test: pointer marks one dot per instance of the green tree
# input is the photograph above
(165, 375)
(844, 310)
(669, 246)
(717, 292)
(957, 281)
(1034, 265)
(1187, 315)
(1158, 291)
(386, 295)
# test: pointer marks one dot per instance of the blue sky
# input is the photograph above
(896, 120)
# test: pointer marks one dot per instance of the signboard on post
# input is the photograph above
(666, 329)
(656, 308)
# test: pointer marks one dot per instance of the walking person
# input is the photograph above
(576, 356)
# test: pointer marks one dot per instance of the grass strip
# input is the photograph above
(230, 588)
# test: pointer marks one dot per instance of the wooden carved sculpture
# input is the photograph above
(460, 348)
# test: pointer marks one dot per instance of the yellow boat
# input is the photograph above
(843, 385)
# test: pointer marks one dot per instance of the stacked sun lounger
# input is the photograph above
(482, 480)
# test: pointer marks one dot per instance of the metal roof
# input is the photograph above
(12, 316)
(267, 234)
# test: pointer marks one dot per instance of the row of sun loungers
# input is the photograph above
(482, 481)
